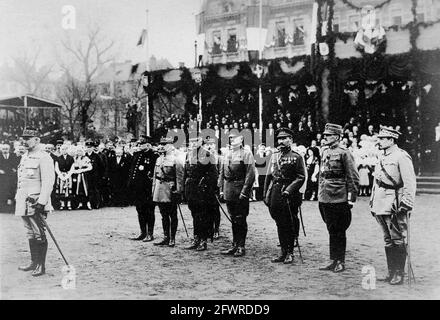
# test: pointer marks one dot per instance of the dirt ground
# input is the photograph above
(109, 266)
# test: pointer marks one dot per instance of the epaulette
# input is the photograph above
(405, 153)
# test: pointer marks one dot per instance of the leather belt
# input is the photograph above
(384, 185)
(164, 180)
(332, 175)
(233, 179)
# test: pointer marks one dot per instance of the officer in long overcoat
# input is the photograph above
(200, 184)
(140, 183)
(285, 176)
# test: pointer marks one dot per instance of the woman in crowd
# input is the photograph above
(81, 167)
(63, 184)
(312, 166)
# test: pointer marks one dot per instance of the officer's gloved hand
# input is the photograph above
(39, 209)
(176, 197)
(285, 195)
(350, 204)
(221, 196)
(404, 209)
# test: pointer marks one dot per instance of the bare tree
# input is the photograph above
(28, 75)
(79, 96)
(91, 54)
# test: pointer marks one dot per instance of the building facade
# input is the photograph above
(223, 25)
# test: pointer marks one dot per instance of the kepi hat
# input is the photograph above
(388, 132)
(333, 129)
(30, 132)
(284, 132)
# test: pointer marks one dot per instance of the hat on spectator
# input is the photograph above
(388, 132)
(166, 140)
(332, 129)
(60, 141)
(284, 132)
(89, 143)
(234, 133)
(30, 132)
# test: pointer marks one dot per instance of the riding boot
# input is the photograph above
(142, 226)
(390, 263)
(41, 266)
(33, 250)
(400, 254)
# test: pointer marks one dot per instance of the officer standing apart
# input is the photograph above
(140, 183)
(285, 176)
(237, 175)
(167, 189)
(392, 200)
(338, 187)
(36, 177)
(200, 176)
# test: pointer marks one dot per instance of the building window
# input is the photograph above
(281, 34)
(336, 25)
(298, 33)
(353, 22)
(217, 42)
(396, 17)
(232, 41)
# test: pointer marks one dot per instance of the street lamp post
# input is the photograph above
(198, 80)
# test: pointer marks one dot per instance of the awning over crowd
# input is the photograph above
(27, 101)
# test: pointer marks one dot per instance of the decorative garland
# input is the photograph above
(353, 6)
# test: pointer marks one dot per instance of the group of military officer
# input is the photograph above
(164, 177)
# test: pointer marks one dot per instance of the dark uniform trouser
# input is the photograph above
(287, 222)
(202, 222)
(337, 217)
(238, 210)
(216, 216)
(145, 211)
(168, 210)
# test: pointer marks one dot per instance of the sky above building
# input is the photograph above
(27, 26)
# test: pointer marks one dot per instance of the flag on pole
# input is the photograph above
(255, 38)
(142, 38)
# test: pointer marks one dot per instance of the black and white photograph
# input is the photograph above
(219, 155)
